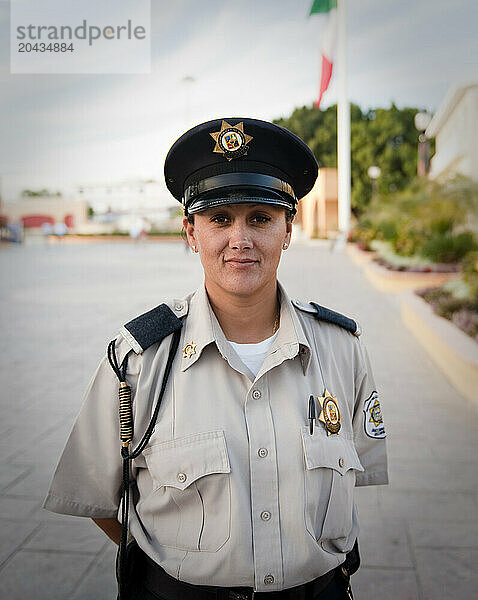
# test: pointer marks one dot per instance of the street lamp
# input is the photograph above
(374, 173)
(422, 120)
(188, 80)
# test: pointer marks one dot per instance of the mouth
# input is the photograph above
(240, 263)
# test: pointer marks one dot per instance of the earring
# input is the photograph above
(285, 245)
(195, 249)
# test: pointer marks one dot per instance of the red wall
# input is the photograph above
(37, 220)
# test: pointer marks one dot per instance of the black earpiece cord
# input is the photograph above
(126, 436)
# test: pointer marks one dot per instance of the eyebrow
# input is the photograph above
(226, 207)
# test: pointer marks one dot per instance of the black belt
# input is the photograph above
(155, 579)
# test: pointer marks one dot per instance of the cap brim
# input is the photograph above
(247, 197)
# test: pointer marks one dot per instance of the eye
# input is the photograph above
(219, 218)
(261, 218)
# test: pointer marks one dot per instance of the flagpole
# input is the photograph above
(343, 124)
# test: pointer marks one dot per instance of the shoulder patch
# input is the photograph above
(329, 316)
(373, 421)
(153, 326)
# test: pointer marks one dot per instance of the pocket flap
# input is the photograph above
(333, 451)
(180, 462)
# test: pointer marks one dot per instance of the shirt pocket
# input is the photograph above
(190, 503)
(331, 463)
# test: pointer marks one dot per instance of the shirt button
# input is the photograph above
(262, 452)
(178, 307)
(265, 515)
(256, 394)
(182, 477)
(341, 462)
(269, 579)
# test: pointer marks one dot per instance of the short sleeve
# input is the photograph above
(87, 480)
(368, 427)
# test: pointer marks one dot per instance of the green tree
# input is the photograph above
(385, 137)
(39, 193)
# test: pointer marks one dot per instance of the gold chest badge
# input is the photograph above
(330, 414)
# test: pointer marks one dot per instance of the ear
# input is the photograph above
(288, 229)
(189, 229)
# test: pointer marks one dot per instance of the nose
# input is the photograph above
(239, 238)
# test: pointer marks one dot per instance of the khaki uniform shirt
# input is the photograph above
(232, 490)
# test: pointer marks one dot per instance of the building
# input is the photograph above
(125, 196)
(317, 212)
(455, 129)
(116, 206)
(34, 211)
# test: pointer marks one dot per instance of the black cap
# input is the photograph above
(235, 160)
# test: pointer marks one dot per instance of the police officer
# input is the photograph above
(254, 415)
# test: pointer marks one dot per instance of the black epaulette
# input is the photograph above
(151, 327)
(329, 316)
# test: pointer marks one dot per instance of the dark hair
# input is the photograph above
(289, 217)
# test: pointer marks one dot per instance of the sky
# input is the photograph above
(248, 58)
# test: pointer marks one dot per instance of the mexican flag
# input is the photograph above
(328, 42)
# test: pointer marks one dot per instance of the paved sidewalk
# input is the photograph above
(60, 305)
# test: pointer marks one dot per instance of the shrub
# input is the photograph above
(447, 248)
(467, 321)
(462, 312)
(427, 219)
(387, 230)
(470, 274)
(363, 236)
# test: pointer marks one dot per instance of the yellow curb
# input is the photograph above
(387, 280)
(359, 256)
(455, 353)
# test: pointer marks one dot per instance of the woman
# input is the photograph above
(261, 422)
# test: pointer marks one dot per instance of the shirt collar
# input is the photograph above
(202, 328)
(291, 339)
(198, 331)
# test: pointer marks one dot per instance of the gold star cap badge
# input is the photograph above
(189, 350)
(330, 414)
(231, 140)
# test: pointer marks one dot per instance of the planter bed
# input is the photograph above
(432, 268)
(455, 353)
(388, 280)
(389, 277)
(462, 313)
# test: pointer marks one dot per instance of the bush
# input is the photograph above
(363, 236)
(462, 312)
(470, 274)
(427, 219)
(448, 248)
(387, 230)
(467, 321)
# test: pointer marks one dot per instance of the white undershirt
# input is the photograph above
(253, 355)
